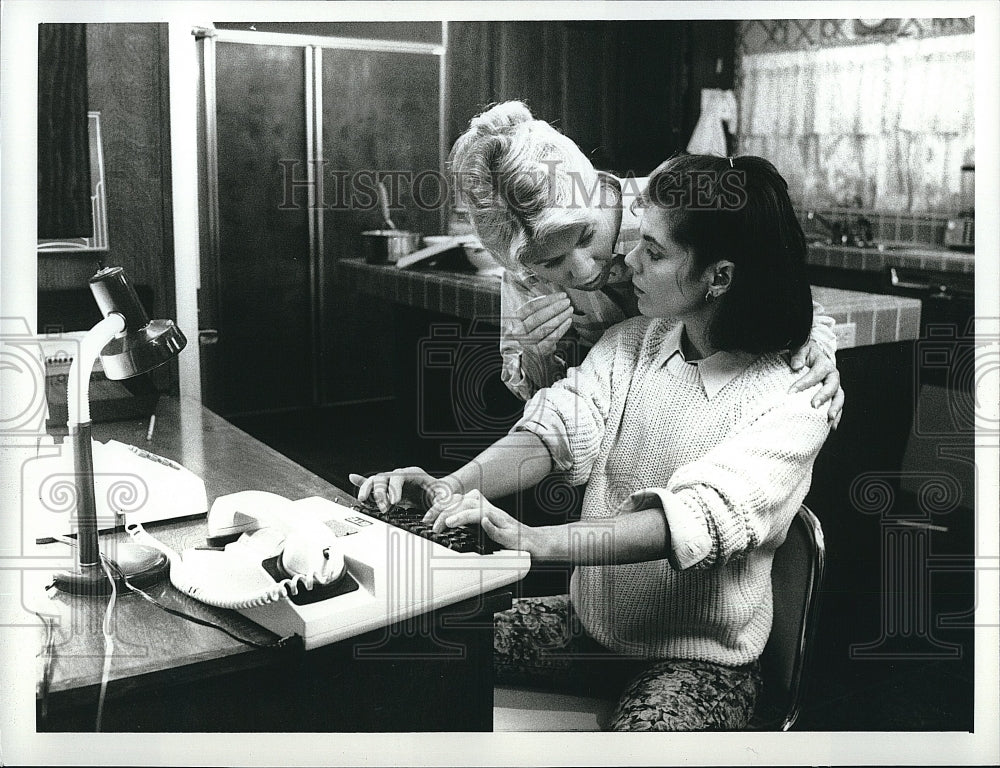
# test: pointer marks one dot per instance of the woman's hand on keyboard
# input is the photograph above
(458, 509)
(505, 530)
(388, 488)
(472, 507)
(511, 533)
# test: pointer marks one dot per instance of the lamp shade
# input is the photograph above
(146, 343)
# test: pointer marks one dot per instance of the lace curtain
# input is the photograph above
(885, 127)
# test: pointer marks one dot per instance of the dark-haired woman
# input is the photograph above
(694, 454)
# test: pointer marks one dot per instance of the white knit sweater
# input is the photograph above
(725, 452)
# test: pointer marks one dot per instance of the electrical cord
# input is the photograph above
(48, 655)
(196, 620)
(109, 644)
(106, 632)
(279, 643)
(115, 574)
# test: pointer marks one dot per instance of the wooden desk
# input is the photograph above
(169, 674)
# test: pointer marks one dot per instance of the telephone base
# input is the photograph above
(346, 583)
(141, 565)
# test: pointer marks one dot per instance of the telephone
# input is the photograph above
(280, 548)
(324, 571)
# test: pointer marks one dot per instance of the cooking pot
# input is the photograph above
(387, 244)
(381, 246)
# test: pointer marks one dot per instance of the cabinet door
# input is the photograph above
(528, 59)
(589, 66)
(649, 93)
(380, 118)
(470, 73)
(562, 70)
(262, 360)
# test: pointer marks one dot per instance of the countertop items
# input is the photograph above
(434, 246)
(862, 318)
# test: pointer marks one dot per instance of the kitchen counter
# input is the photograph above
(874, 260)
(862, 319)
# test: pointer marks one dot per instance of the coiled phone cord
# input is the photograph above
(181, 579)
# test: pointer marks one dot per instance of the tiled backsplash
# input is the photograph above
(886, 227)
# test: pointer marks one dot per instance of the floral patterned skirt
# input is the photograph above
(540, 642)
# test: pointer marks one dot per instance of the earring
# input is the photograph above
(709, 297)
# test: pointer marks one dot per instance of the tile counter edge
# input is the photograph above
(862, 319)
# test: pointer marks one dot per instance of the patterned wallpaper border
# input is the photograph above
(771, 35)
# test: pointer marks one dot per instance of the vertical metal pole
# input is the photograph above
(314, 154)
(212, 167)
(86, 515)
(444, 97)
(319, 245)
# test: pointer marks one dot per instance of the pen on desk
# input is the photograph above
(153, 457)
(152, 426)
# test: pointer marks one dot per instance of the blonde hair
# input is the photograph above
(521, 180)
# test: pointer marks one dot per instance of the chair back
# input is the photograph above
(796, 579)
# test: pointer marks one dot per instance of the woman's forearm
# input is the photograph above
(513, 463)
(632, 538)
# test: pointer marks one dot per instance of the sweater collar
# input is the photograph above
(714, 371)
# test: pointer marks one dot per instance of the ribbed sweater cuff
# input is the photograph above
(690, 533)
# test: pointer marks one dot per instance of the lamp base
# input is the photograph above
(141, 565)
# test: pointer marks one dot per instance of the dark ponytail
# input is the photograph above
(738, 209)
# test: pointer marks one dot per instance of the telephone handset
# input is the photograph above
(299, 548)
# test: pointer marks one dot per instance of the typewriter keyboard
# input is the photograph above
(462, 539)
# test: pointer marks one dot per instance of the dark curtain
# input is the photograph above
(63, 146)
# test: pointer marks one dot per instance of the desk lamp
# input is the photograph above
(128, 343)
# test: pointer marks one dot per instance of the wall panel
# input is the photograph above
(127, 83)
(380, 116)
(264, 350)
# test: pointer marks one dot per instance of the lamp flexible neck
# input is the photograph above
(78, 385)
